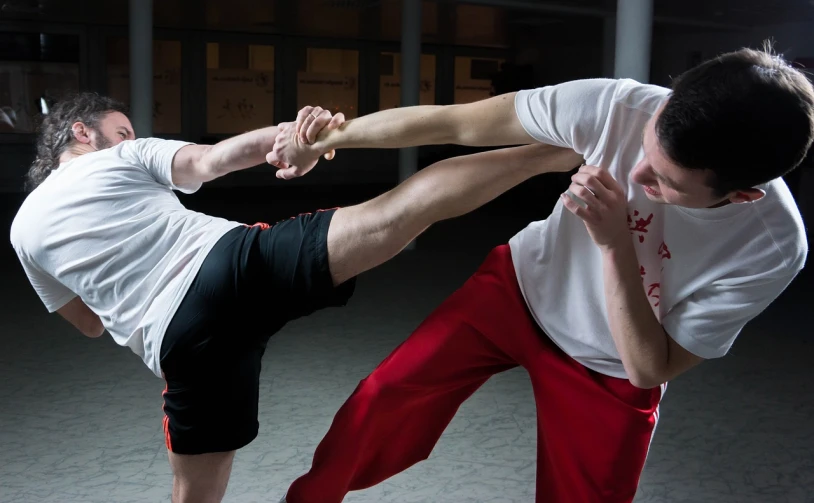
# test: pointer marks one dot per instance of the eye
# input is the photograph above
(123, 135)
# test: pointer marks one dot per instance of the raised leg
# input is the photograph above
(363, 236)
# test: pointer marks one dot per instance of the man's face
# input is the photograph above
(665, 182)
(113, 129)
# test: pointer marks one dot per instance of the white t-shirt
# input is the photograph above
(707, 272)
(107, 227)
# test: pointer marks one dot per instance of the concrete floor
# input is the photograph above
(80, 419)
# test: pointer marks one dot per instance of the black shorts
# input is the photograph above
(253, 282)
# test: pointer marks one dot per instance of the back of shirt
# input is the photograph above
(107, 227)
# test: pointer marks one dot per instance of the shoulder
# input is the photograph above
(646, 98)
(146, 151)
(23, 221)
(590, 93)
(781, 221)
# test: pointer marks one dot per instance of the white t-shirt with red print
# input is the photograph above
(707, 272)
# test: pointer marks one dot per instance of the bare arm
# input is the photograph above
(485, 123)
(202, 163)
(490, 122)
(80, 316)
(650, 356)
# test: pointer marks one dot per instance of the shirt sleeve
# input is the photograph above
(570, 115)
(708, 322)
(156, 155)
(52, 293)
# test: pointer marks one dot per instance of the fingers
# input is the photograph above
(306, 122)
(589, 184)
(320, 121)
(301, 116)
(573, 206)
(603, 176)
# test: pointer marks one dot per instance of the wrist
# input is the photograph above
(622, 246)
(327, 140)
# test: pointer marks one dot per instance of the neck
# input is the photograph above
(75, 151)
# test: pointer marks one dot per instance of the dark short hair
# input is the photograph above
(55, 133)
(746, 116)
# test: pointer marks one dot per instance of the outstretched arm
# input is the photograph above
(202, 163)
(364, 236)
(485, 123)
(490, 122)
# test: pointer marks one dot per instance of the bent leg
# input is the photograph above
(200, 478)
(366, 235)
(593, 431)
(396, 415)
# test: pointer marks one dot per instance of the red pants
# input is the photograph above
(593, 431)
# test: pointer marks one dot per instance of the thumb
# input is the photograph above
(273, 159)
(336, 121)
(286, 173)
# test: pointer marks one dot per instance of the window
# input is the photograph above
(166, 81)
(239, 87)
(473, 78)
(329, 78)
(36, 70)
(390, 80)
(481, 25)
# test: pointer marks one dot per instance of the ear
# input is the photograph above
(746, 196)
(81, 133)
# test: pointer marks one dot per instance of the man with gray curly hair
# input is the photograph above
(106, 243)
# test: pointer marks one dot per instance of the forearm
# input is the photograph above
(491, 122)
(640, 339)
(239, 152)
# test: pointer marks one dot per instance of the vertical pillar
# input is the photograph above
(634, 30)
(410, 79)
(608, 46)
(141, 67)
(410, 75)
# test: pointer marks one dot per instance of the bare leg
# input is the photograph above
(364, 236)
(200, 478)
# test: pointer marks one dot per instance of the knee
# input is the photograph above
(378, 388)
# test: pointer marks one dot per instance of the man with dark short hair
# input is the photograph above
(676, 233)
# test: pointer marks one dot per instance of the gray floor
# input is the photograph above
(80, 419)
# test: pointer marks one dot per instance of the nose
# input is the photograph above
(641, 174)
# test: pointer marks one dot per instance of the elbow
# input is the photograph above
(645, 379)
(645, 383)
(205, 167)
(94, 330)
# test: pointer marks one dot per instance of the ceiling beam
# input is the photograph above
(530, 5)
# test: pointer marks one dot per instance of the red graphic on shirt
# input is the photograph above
(642, 272)
(654, 293)
(664, 252)
(639, 225)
